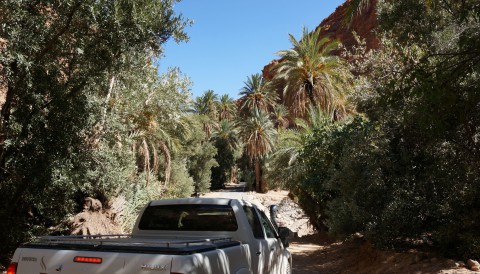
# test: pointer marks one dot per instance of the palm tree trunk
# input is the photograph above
(263, 185)
(168, 162)
(233, 175)
(257, 175)
(146, 161)
(105, 107)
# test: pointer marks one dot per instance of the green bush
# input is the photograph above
(406, 174)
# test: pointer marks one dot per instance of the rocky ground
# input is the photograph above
(318, 253)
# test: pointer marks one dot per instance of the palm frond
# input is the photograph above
(258, 134)
(226, 107)
(356, 7)
(257, 93)
(312, 74)
(227, 132)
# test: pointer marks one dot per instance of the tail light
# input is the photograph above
(12, 268)
(88, 260)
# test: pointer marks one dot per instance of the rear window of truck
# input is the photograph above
(191, 217)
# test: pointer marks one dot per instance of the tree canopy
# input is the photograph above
(63, 68)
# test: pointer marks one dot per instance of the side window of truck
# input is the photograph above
(253, 221)
(267, 225)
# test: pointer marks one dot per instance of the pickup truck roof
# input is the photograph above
(218, 201)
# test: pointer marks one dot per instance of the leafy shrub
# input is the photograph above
(406, 174)
(226, 161)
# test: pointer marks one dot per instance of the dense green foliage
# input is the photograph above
(403, 172)
(85, 113)
(226, 142)
(430, 115)
(200, 159)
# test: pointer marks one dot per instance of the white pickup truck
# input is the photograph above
(196, 235)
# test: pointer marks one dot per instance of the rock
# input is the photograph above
(91, 204)
(293, 217)
(473, 265)
(460, 264)
(117, 209)
(363, 24)
(93, 223)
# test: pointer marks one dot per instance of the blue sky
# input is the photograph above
(231, 40)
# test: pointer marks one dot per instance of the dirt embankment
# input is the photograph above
(318, 253)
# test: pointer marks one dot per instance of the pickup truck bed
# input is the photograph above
(131, 256)
(126, 244)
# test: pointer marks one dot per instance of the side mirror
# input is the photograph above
(273, 215)
(284, 232)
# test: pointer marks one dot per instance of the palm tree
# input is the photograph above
(150, 138)
(285, 165)
(280, 116)
(311, 74)
(257, 133)
(226, 108)
(227, 132)
(207, 104)
(206, 107)
(256, 94)
(145, 147)
(315, 118)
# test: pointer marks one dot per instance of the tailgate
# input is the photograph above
(34, 260)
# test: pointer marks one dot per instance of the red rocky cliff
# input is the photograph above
(335, 27)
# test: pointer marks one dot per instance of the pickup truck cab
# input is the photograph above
(196, 235)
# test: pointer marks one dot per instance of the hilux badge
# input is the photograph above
(154, 267)
(29, 259)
